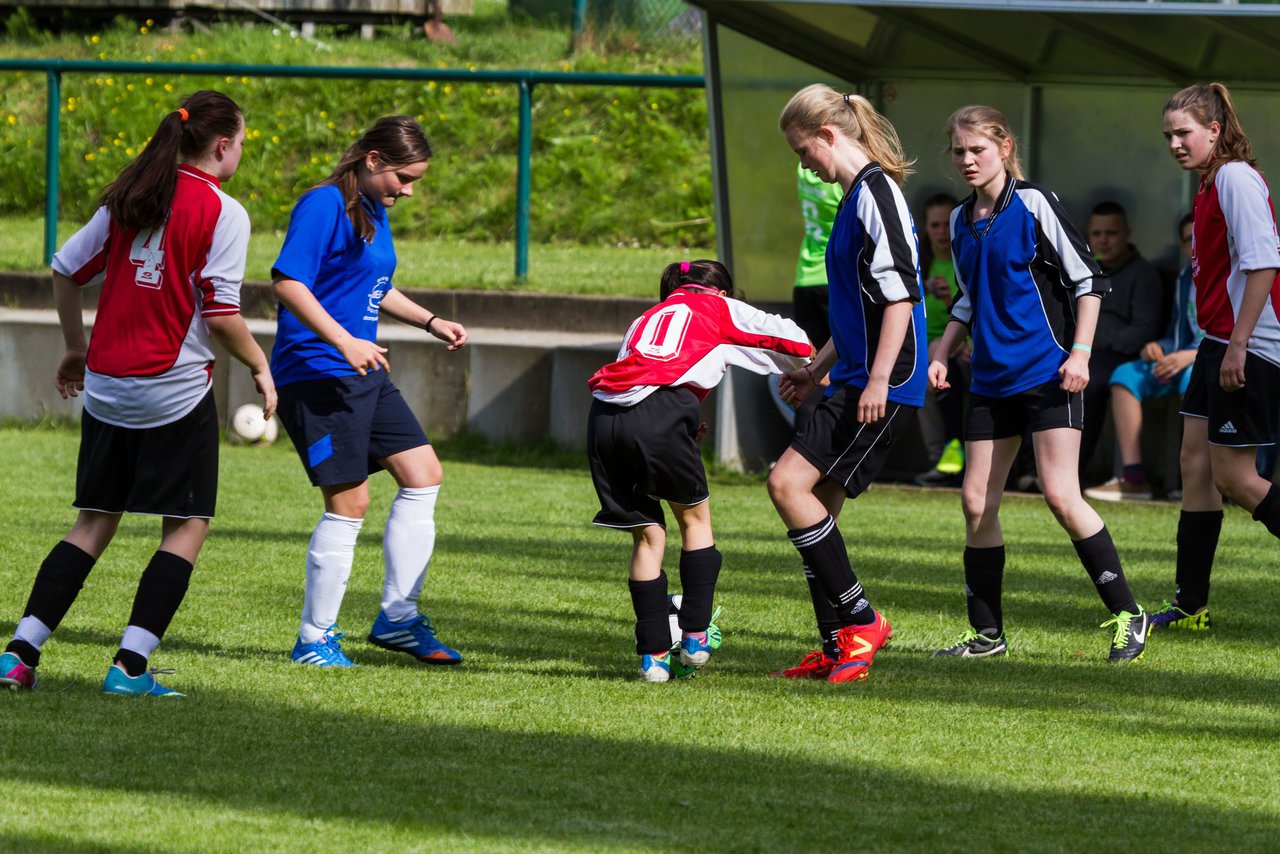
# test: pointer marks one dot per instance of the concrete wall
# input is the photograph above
(507, 384)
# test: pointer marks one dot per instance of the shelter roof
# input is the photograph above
(1049, 41)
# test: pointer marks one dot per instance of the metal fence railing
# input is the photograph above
(524, 80)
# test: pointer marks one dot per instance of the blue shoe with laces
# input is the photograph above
(121, 684)
(326, 652)
(415, 636)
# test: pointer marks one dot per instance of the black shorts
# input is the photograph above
(845, 451)
(1045, 407)
(170, 470)
(640, 454)
(342, 426)
(1238, 419)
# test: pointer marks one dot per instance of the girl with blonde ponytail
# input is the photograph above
(875, 361)
(1230, 406)
(347, 420)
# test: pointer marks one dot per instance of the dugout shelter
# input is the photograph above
(1083, 83)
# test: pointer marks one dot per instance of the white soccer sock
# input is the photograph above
(33, 631)
(329, 557)
(407, 544)
(140, 641)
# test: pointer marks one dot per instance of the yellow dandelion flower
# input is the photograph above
(331, 125)
(111, 81)
(168, 87)
(230, 79)
(150, 23)
(448, 89)
(120, 134)
(567, 111)
(244, 81)
(116, 142)
(129, 87)
(89, 156)
(431, 85)
(94, 40)
(129, 151)
(143, 30)
(150, 80)
(71, 108)
(324, 114)
(653, 106)
(103, 55)
(13, 120)
(314, 160)
(275, 138)
(616, 102)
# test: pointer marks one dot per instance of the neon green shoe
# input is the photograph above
(1130, 639)
(1170, 616)
(952, 459)
(682, 670)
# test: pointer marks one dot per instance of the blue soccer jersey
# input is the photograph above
(1019, 273)
(347, 276)
(873, 259)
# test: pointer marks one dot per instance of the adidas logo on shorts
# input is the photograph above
(1227, 429)
(1107, 577)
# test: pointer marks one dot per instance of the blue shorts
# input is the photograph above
(342, 427)
(1139, 378)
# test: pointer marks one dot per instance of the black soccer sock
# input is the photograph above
(1101, 560)
(828, 620)
(1268, 510)
(1198, 532)
(29, 654)
(133, 663)
(983, 583)
(822, 549)
(57, 584)
(653, 623)
(160, 591)
(699, 570)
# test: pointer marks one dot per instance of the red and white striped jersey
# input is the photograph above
(150, 357)
(690, 339)
(1235, 232)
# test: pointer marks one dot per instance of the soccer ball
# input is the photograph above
(673, 612)
(248, 427)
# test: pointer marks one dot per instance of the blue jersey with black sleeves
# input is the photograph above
(1019, 273)
(347, 276)
(873, 259)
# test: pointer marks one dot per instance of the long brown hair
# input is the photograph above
(141, 195)
(818, 104)
(992, 124)
(399, 141)
(1208, 103)
(937, 200)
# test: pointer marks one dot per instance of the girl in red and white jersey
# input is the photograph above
(642, 440)
(168, 247)
(1231, 404)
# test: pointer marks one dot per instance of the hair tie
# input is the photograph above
(183, 114)
(684, 266)
(846, 101)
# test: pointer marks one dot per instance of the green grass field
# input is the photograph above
(545, 740)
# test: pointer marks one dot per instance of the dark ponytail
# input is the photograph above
(141, 195)
(399, 141)
(704, 273)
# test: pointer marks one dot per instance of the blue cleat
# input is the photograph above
(655, 668)
(121, 684)
(415, 636)
(326, 652)
(16, 675)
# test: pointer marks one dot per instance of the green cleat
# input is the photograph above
(1130, 639)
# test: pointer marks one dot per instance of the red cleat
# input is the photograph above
(815, 665)
(858, 647)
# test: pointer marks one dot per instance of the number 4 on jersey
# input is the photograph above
(147, 254)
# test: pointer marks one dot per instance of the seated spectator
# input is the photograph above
(942, 416)
(1130, 316)
(1163, 368)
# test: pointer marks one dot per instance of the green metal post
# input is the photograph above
(52, 130)
(579, 23)
(523, 182)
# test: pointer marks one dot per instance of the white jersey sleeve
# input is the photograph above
(1246, 205)
(83, 258)
(222, 274)
(962, 308)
